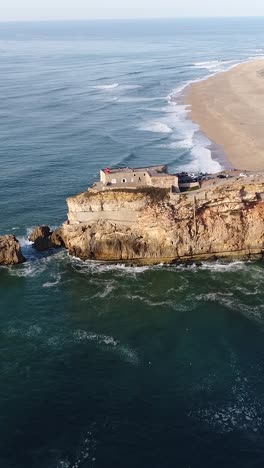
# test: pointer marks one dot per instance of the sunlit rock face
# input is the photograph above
(225, 219)
(10, 251)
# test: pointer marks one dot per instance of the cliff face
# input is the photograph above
(152, 226)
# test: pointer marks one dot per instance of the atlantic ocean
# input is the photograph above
(107, 365)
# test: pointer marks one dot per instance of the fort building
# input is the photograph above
(127, 177)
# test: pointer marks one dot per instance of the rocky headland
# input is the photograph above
(225, 219)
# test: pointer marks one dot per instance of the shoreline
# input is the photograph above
(217, 151)
(228, 107)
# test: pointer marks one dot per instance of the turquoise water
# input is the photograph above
(112, 366)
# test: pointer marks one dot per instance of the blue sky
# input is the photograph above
(91, 9)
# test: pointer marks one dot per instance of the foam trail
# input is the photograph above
(215, 66)
(125, 352)
(107, 87)
(156, 127)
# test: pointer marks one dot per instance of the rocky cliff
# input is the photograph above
(225, 219)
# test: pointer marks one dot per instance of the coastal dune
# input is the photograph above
(229, 108)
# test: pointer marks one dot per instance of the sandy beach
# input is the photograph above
(229, 108)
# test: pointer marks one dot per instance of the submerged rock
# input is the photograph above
(10, 251)
(44, 238)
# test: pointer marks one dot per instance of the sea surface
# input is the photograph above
(108, 366)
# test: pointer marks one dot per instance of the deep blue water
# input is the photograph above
(108, 366)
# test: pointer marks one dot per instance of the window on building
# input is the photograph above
(124, 181)
(113, 181)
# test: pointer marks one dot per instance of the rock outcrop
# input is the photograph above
(43, 238)
(226, 219)
(10, 251)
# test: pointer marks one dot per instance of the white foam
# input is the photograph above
(201, 155)
(188, 136)
(125, 352)
(156, 127)
(113, 86)
(135, 99)
(32, 331)
(107, 87)
(51, 284)
(34, 267)
(28, 269)
(130, 87)
(188, 143)
(256, 56)
(224, 267)
(97, 267)
(230, 301)
(241, 412)
(202, 161)
(24, 242)
(81, 335)
(215, 66)
(85, 452)
(128, 354)
(106, 291)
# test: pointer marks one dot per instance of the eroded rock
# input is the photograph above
(10, 251)
(44, 238)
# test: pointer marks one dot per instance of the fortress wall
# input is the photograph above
(134, 177)
(123, 216)
(164, 182)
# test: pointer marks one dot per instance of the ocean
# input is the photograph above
(108, 366)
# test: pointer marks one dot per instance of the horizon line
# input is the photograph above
(147, 18)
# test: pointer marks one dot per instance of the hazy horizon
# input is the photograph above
(149, 18)
(77, 10)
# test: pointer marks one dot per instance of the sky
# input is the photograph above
(18, 10)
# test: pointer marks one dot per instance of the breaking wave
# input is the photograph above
(215, 66)
(107, 87)
(157, 127)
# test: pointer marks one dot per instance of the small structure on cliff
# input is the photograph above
(127, 177)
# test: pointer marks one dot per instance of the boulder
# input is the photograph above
(42, 232)
(10, 251)
(41, 238)
(44, 238)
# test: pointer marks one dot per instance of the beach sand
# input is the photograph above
(229, 108)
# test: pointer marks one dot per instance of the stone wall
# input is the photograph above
(117, 207)
(188, 185)
(126, 177)
(167, 181)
